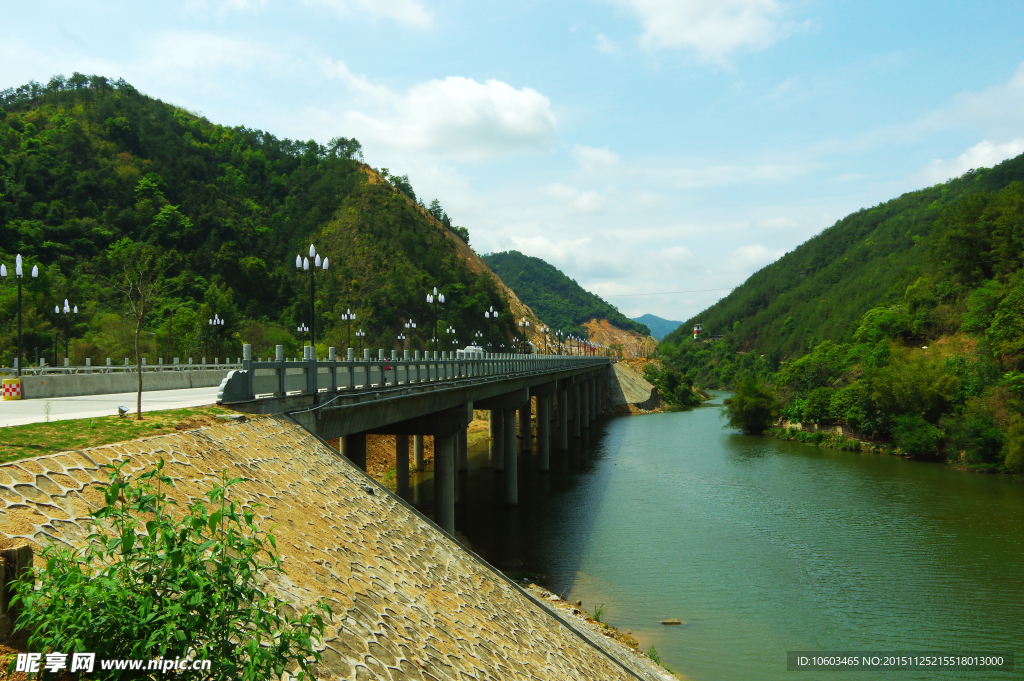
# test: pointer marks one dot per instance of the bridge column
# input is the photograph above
(585, 404)
(592, 384)
(463, 454)
(576, 412)
(544, 431)
(402, 465)
(511, 460)
(563, 418)
(355, 449)
(497, 440)
(525, 435)
(444, 482)
(417, 451)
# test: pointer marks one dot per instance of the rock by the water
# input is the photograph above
(672, 621)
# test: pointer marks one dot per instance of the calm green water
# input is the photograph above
(763, 546)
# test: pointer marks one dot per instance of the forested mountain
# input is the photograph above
(89, 165)
(556, 298)
(659, 327)
(904, 321)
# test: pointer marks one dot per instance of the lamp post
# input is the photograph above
(434, 299)
(348, 316)
(360, 334)
(19, 275)
(67, 327)
(213, 323)
(410, 327)
(478, 338)
(401, 341)
(524, 325)
(490, 316)
(311, 265)
(545, 329)
(452, 340)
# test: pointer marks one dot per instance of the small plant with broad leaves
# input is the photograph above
(149, 583)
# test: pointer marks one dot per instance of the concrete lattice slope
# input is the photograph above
(409, 602)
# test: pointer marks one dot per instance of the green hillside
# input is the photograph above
(91, 169)
(905, 321)
(659, 327)
(556, 298)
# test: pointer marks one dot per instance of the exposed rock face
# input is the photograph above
(409, 602)
(633, 344)
(630, 389)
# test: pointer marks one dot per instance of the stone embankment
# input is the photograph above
(630, 392)
(409, 602)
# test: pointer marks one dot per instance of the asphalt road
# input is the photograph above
(19, 412)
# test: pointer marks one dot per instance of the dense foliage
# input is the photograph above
(150, 583)
(556, 298)
(751, 409)
(86, 163)
(905, 323)
(674, 388)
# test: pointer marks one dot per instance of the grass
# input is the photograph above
(599, 612)
(38, 439)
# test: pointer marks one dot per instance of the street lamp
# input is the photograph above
(19, 275)
(410, 326)
(214, 322)
(311, 265)
(478, 338)
(348, 316)
(401, 341)
(524, 325)
(491, 316)
(545, 329)
(67, 326)
(360, 334)
(434, 299)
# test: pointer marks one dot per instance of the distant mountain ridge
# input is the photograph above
(556, 298)
(659, 327)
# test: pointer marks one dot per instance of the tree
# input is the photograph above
(752, 408)
(139, 278)
(147, 585)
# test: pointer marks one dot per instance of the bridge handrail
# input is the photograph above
(109, 368)
(311, 374)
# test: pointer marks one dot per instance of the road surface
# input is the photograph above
(19, 412)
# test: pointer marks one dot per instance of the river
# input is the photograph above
(762, 546)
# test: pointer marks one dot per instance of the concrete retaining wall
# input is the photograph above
(626, 387)
(43, 387)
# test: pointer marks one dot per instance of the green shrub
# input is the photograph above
(146, 585)
(752, 408)
(817, 407)
(915, 436)
(977, 434)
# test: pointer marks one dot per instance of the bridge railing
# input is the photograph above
(311, 374)
(110, 368)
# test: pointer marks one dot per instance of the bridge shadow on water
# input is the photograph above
(546, 537)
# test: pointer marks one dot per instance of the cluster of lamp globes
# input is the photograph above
(216, 321)
(18, 270)
(314, 259)
(67, 308)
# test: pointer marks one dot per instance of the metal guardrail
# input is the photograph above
(110, 368)
(280, 377)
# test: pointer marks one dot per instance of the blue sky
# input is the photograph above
(642, 146)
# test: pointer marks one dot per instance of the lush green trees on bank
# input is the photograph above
(905, 323)
(86, 163)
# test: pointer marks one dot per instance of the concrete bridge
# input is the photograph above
(434, 394)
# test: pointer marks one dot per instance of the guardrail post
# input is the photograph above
(333, 359)
(250, 373)
(279, 358)
(366, 359)
(309, 356)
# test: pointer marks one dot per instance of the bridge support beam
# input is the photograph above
(563, 418)
(592, 384)
(511, 460)
(355, 449)
(525, 434)
(402, 465)
(497, 427)
(444, 482)
(544, 432)
(417, 451)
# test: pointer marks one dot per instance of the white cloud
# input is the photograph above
(982, 155)
(593, 159)
(999, 110)
(748, 259)
(694, 178)
(713, 28)
(406, 12)
(579, 201)
(603, 44)
(454, 118)
(178, 52)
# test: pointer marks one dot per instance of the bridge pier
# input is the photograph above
(417, 451)
(592, 384)
(563, 417)
(525, 435)
(544, 432)
(463, 454)
(585, 403)
(511, 460)
(497, 428)
(402, 465)
(444, 482)
(576, 416)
